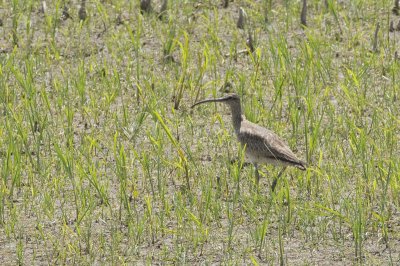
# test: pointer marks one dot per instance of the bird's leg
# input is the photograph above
(257, 173)
(276, 178)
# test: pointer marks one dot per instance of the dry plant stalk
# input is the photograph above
(391, 26)
(303, 16)
(145, 6)
(396, 7)
(44, 7)
(163, 9)
(375, 43)
(250, 42)
(65, 13)
(242, 18)
(82, 11)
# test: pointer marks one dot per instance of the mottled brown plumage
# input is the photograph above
(262, 145)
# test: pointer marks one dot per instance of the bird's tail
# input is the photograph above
(302, 165)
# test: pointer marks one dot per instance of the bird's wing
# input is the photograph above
(266, 143)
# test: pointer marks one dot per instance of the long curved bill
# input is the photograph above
(222, 99)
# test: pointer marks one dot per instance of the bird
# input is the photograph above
(262, 146)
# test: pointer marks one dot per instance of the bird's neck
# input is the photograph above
(237, 118)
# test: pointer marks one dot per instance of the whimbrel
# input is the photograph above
(262, 145)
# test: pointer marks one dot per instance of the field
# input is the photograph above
(103, 162)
